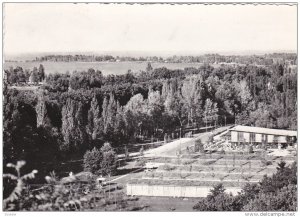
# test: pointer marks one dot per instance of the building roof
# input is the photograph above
(262, 130)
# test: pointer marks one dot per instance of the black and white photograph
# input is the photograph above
(153, 107)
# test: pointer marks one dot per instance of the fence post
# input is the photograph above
(115, 201)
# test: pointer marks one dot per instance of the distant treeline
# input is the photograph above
(267, 59)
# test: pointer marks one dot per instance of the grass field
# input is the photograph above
(116, 68)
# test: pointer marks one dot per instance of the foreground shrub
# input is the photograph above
(51, 197)
(8, 203)
(58, 196)
(284, 199)
(217, 200)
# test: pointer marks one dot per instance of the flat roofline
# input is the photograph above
(261, 130)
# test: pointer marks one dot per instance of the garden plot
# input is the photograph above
(231, 155)
(200, 172)
(218, 159)
(207, 176)
(204, 164)
(218, 169)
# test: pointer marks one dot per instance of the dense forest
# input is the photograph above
(72, 113)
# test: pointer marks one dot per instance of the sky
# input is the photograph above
(156, 29)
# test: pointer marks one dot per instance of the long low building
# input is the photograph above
(258, 136)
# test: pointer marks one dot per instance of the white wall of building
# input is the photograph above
(234, 136)
(270, 138)
(258, 137)
(174, 191)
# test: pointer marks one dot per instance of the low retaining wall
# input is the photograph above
(173, 191)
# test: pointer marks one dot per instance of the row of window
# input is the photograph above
(264, 138)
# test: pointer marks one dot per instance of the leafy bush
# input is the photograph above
(217, 200)
(168, 167)
(187, 162)
(265, 163)
(57, 197)
(184, 175)
(209, 162)
(140, 162)
(199, 147)
(268, 163)
(100, 162)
